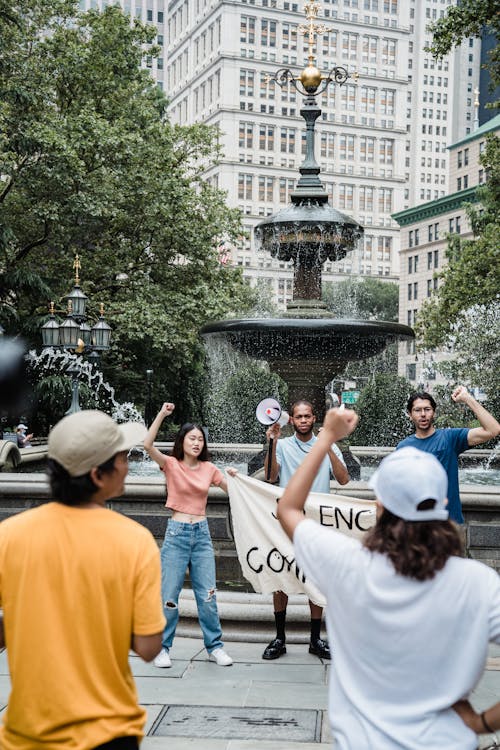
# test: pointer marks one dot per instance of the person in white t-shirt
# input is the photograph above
(410, 617)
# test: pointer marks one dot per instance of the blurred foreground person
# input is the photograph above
(410, 617)
(79, 587)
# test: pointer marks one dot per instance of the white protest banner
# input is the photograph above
(265, 553)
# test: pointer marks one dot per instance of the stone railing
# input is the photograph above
(144, 500)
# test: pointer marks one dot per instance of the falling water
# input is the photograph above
(57, 360)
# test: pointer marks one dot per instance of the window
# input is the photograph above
(346, 143)
(289, 36)
(160, 16)
(366, 198)
(366, 148)
(268, 33)
(386, 146)
(387, 99)
(388, 51)
(247, 29)
(346, 193)
(266, 137)
(267, 89)
(247, 78)
(327, 145)
(287, 140)
(410, 244)
(266, 185)
(459, 159)
(466, 156)
(245, 186)
(245, 139)
(385, 200)
(368, 98)
(410, 290)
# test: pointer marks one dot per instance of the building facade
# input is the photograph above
(424, 232)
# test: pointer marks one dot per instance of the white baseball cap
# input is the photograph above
(406, 478)
(88, 438)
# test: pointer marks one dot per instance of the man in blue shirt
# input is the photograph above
(447, 444)
(287, 455)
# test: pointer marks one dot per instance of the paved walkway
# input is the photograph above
(278, 705)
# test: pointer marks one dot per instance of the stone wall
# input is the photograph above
(144, 500)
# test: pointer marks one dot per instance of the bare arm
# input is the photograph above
(153, 452)
(338, 424)
(2, 633)
(486, 722)
(489, 429)
(339, 469)
(147, 646)
(274, 432)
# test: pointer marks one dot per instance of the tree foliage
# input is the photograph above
(90, 164)
(469, 18)
(382, 411)
(472, 274)
(367, 299)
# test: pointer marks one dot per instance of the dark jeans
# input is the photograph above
(120, 743)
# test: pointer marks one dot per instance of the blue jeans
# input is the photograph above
(188, 545)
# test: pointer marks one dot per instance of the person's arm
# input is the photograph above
(339, 468)
(489, 429)
(273, 432)
(232, 473)
(2, 633)
(153, 452)
(147, 646)
(486, 722)
(338, 424)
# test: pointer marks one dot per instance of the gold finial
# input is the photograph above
(76, 267)
(355, 76)
(51, 308)
(101, 309)
(311, 9)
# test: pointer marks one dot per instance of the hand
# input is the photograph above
(469, 716)
(28, 437)
(460, 394)
(339, 423)
(167, 409)
(274, 431)
(231, 471)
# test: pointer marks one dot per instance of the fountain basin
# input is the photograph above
(307, 352)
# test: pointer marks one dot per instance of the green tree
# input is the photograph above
(91, 164)
(472, 274)
(368, 299)
(382, 411)
(468, 18)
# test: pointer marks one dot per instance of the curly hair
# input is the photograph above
(70, 490)
(178, 449)
(417, 549)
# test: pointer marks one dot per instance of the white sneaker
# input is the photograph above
(220, 656)
(163, 659)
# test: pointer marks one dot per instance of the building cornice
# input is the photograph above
(436, 208)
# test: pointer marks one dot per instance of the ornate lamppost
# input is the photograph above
(75, 335)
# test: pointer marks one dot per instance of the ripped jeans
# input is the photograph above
(188, 545)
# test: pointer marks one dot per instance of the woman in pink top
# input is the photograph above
(187, 543)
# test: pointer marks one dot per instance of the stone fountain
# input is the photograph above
(307, 347)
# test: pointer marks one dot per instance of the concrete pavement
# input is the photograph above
(279, 705)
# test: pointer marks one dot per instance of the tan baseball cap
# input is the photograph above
(88, 438)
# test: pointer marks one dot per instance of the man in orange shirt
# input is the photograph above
(79, 587)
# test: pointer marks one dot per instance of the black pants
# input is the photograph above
(120, 743)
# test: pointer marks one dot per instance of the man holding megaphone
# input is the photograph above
(284, 457)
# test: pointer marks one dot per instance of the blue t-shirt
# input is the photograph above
(446, 445)
(290, 452)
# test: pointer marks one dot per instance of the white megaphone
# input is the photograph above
(269, 412)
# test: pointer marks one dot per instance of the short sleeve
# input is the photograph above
(323, 554)
(217, 476)
(494, 597)
(148, 611)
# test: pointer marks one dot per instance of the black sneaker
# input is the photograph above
(320, 648)
(275, 649)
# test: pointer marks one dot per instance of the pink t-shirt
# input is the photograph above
(188, 488)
